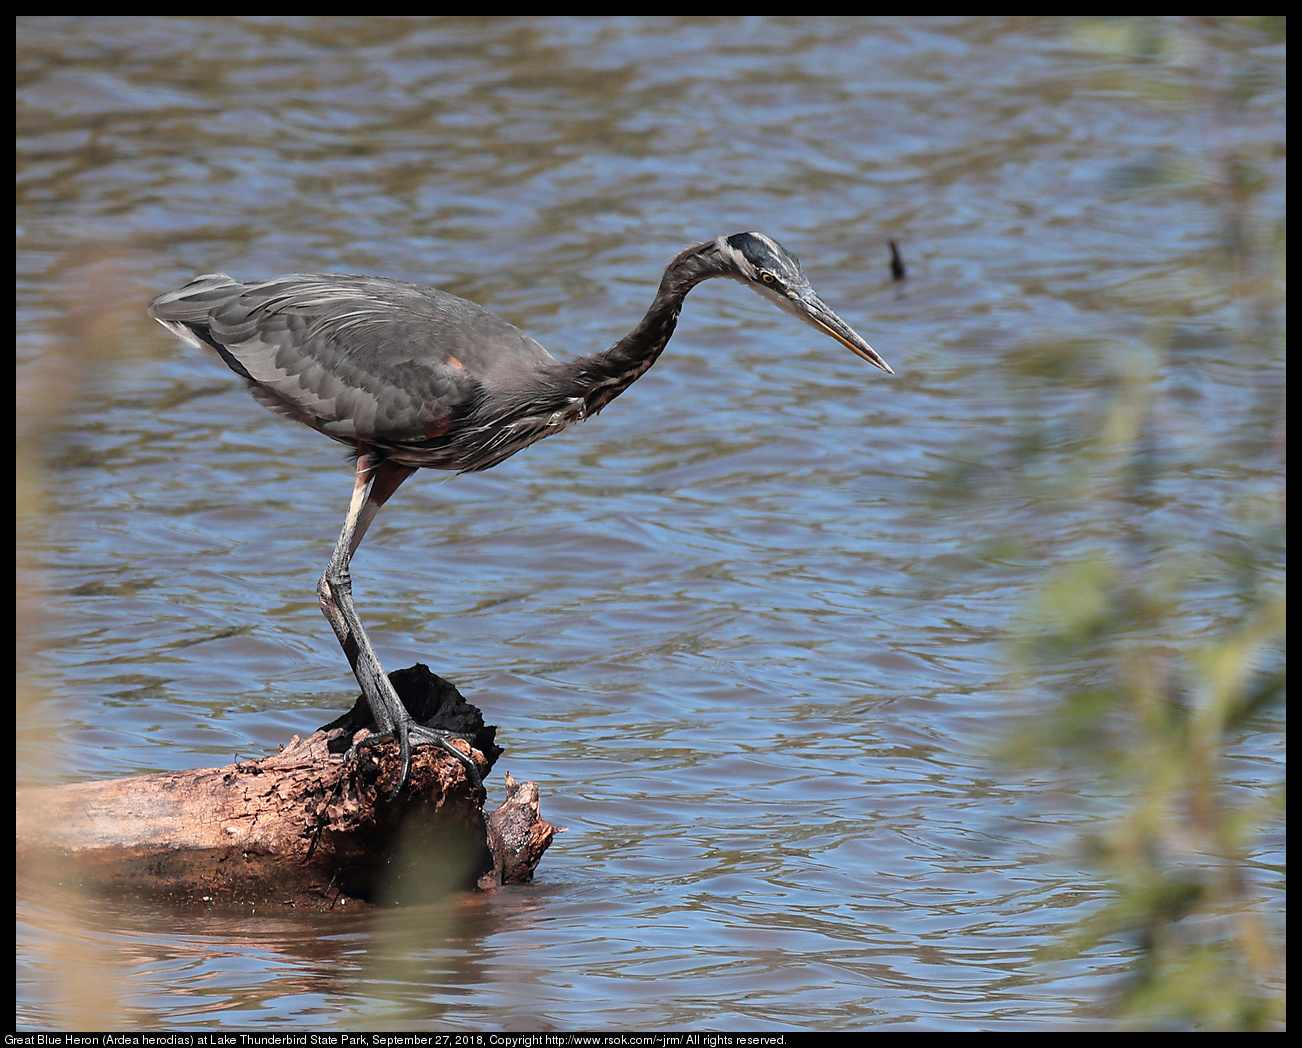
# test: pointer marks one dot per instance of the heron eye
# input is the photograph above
(768, 278)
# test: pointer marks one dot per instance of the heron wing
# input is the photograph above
(359, 358)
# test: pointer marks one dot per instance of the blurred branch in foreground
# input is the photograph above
(1155, 644)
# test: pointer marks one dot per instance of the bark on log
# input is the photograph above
(298, 828)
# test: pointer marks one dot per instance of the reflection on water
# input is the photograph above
(736, 628)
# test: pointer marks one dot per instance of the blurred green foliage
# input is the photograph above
(1161, 651)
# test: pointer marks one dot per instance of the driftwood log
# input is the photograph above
(298, 828)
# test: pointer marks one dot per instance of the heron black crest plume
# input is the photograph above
(412, 377)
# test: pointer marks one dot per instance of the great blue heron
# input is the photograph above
(411, 377)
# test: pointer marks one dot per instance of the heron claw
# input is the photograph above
(407, 733)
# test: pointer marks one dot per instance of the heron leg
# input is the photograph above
(375, 483)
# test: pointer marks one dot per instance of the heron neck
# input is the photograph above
(604, 376)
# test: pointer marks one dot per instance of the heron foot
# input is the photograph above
(407, 733)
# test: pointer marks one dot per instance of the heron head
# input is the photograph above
(762, 263)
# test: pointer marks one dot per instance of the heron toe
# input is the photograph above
(409, 733)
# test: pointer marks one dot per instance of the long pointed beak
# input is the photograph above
(815, 312)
